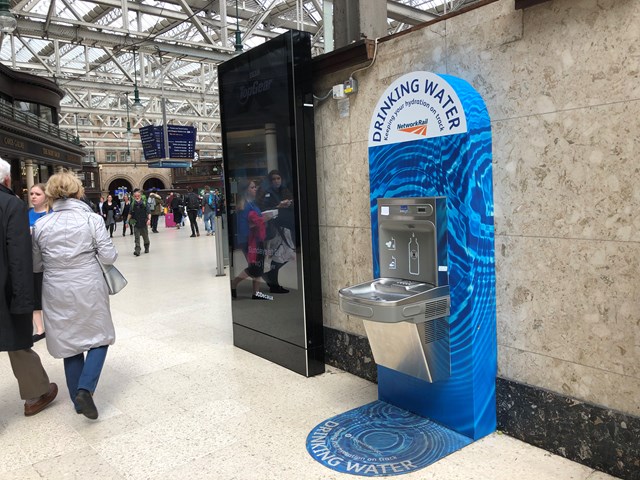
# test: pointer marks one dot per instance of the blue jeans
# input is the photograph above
(84, 373)
(209, 221)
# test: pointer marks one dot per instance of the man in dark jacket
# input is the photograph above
(16, 300)
(141, 216)
(193, 204)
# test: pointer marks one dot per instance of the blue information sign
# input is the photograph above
(152, 140)
(182, 142)
(168, 164)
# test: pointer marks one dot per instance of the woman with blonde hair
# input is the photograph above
(75, 298)
(39, 209)
(251, 232)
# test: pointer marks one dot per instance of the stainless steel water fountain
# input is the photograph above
(405, 310)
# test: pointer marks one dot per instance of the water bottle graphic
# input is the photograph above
(414, 255)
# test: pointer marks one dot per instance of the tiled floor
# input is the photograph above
(178, 401)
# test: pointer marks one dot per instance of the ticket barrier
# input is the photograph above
(404, 311)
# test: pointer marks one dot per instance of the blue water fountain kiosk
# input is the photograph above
(430, 312)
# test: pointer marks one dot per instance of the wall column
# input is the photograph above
(44, 174)
(271, 142)
(353, 20)
(28, 164)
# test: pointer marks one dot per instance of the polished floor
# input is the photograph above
(178, 401)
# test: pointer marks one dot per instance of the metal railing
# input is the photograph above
(27, 118)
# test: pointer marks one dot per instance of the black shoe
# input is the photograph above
(146, 250)
(192, 235)
(278, 289)
(38, 336)
(84, 401)
(155, 231)
(137, 254)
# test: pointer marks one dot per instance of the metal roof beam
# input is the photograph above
(144, 91)
(86, 36)
(409, 15)
(193, 18)
(147, 115)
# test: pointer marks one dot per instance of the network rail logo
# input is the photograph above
(419, 127)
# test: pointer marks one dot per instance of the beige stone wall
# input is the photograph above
(562, 85)
(135, 175)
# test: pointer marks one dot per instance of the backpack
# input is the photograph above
(193, 202)
(213, 201)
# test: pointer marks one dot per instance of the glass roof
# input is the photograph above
(100, 51)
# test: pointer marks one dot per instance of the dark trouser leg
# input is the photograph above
(124, 228)
(84, 373)
(72, 370)
(28, 370)
(93, 364)
(273, 273)
(193, 215)
(154, 222)
(136, 231)
(144, 231)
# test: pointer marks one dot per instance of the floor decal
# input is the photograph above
(379, 439)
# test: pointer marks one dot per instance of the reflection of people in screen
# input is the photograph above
(279, 240)
(251, 226)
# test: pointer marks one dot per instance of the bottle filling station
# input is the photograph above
(429, 312)
(404, 311)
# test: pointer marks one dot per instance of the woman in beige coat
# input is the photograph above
(75, 298)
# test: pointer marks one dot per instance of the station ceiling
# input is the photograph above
(96, 50)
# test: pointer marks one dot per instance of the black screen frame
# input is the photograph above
(302, 348)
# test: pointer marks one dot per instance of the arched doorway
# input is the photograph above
(153, 183)
(118, 188)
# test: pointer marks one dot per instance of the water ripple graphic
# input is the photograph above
(380, 439)
(458, 167)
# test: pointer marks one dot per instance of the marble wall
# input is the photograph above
(561, 81)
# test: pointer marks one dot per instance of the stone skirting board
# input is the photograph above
(597, 437)
(350, 353)
(600, 438)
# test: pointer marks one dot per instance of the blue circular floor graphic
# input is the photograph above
(379, 439)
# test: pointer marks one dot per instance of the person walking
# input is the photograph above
(140, 219)
(155, 206)
(109, 211)
(251, 232)
(67, 245)
(126, 206)
(100, 203)
(280, 230)
(39, 209)
(16, 300)
(176, 208)
(210, 203)
(193, 204)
